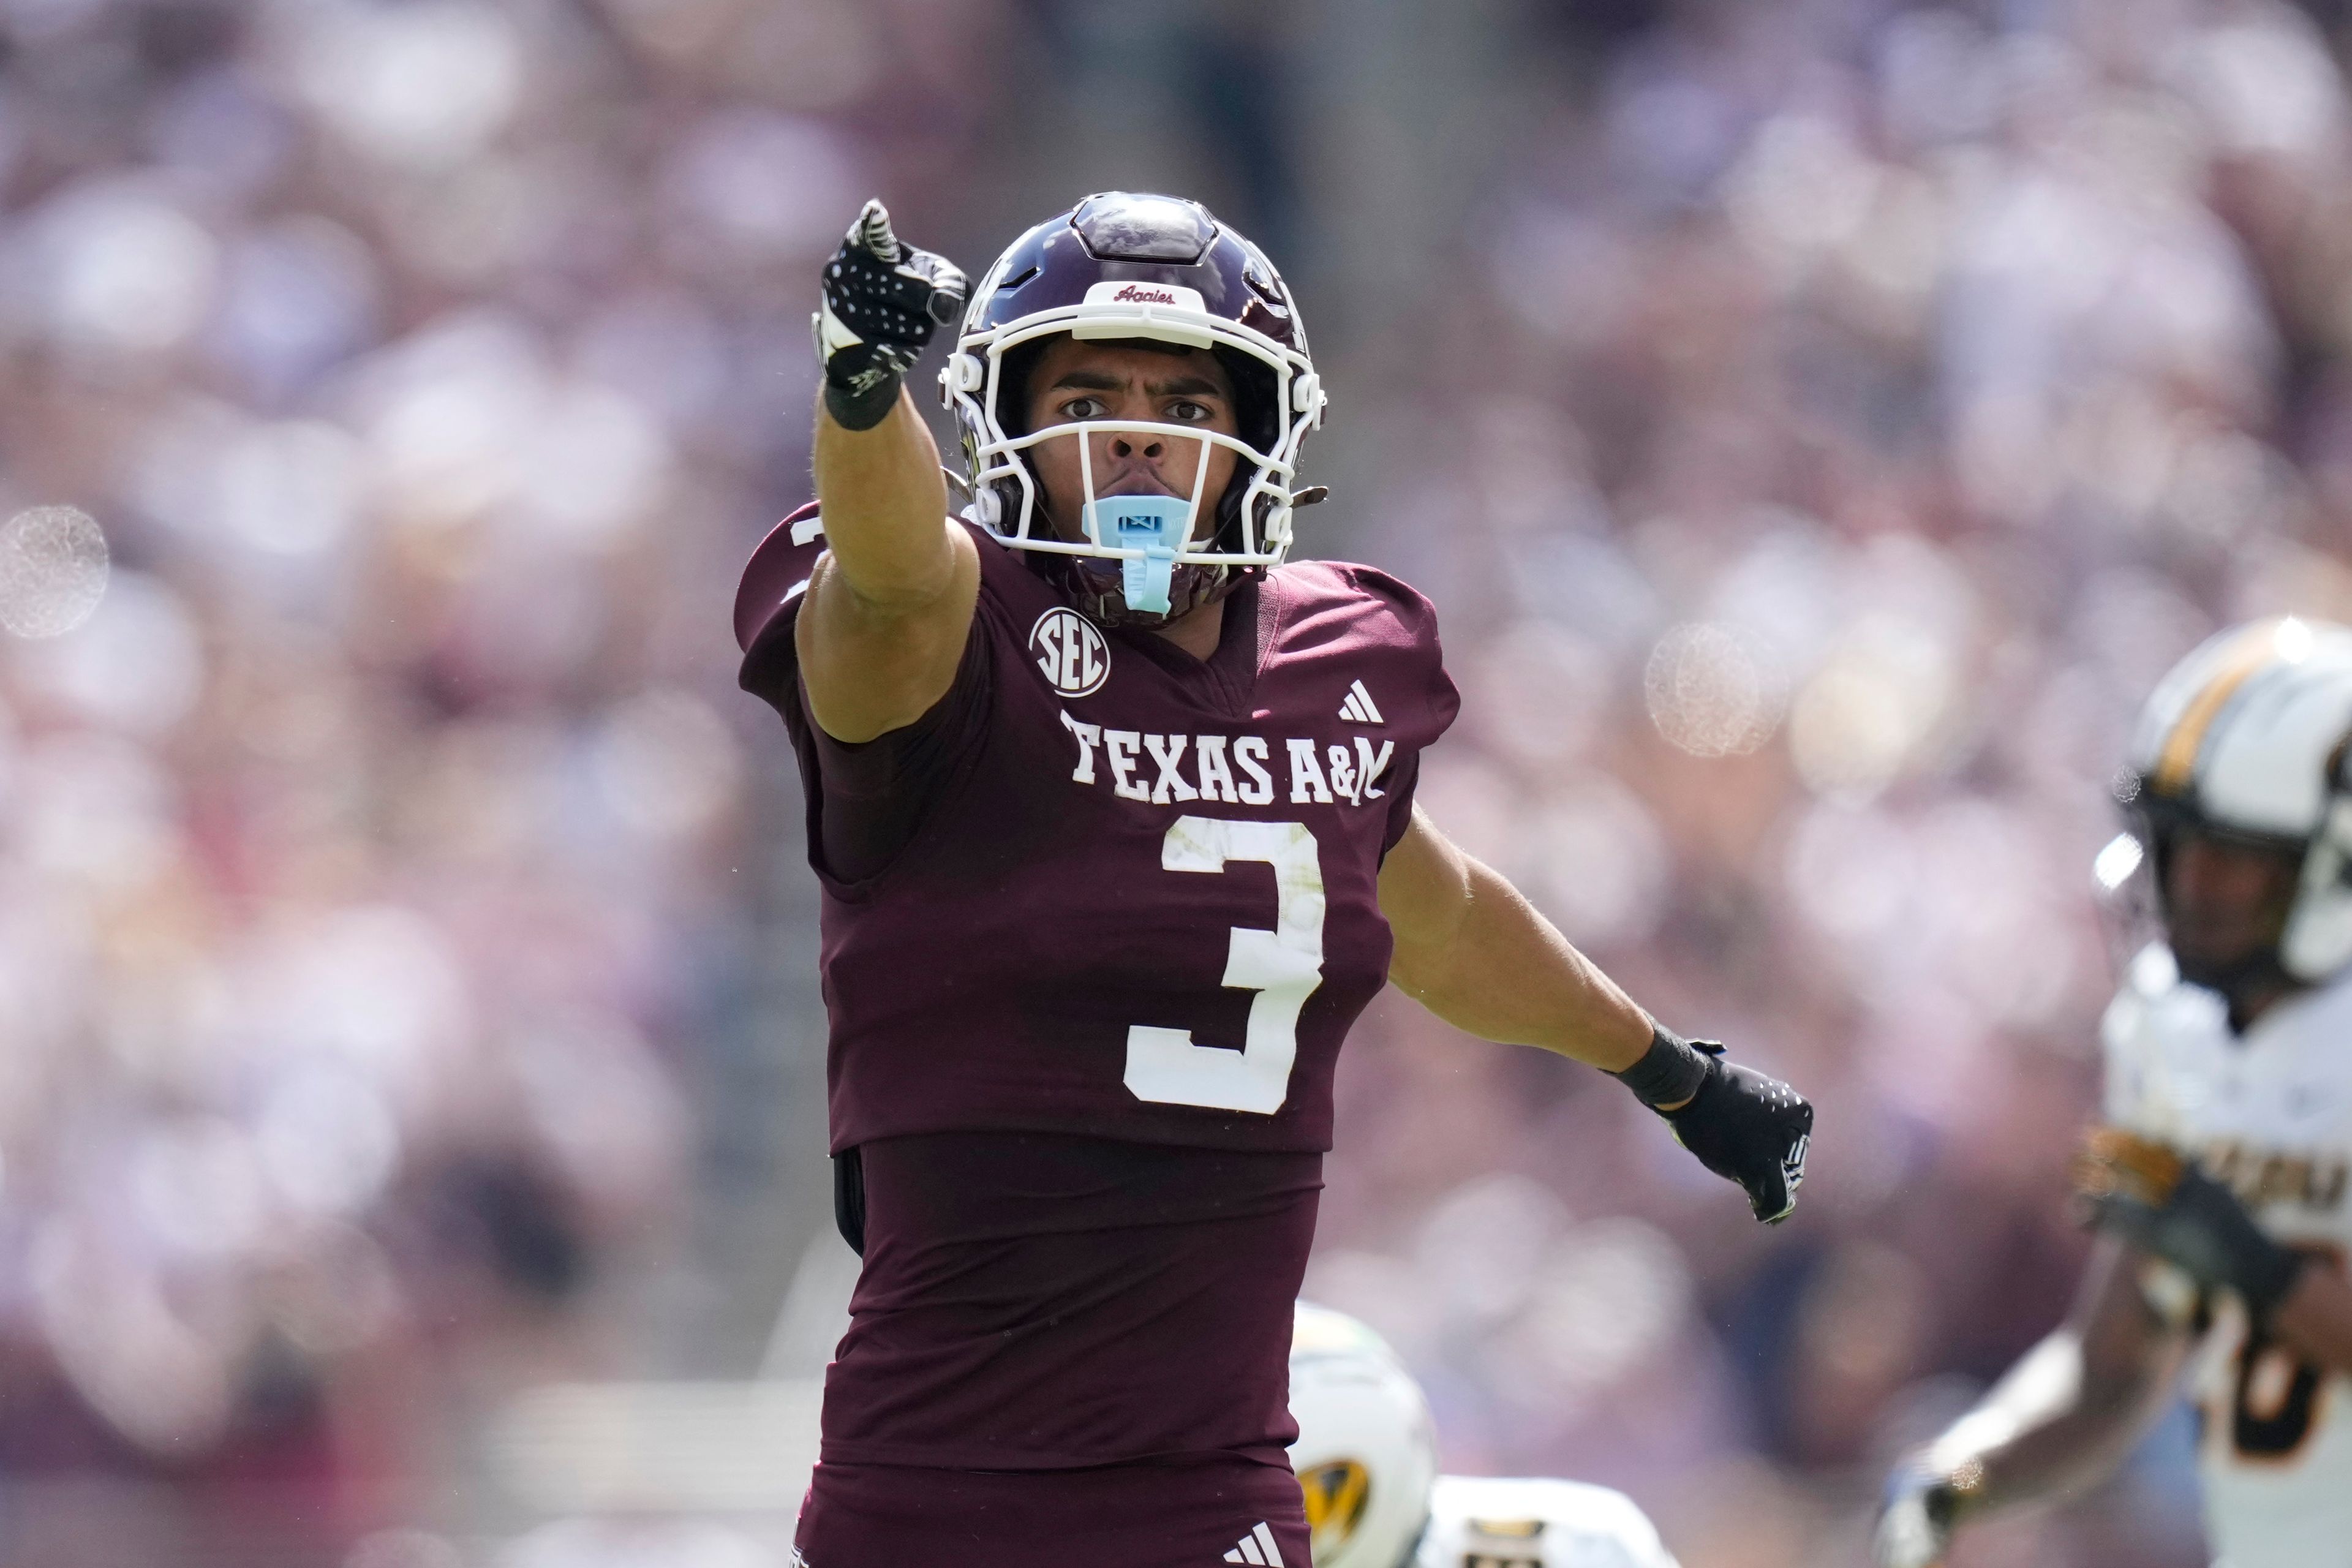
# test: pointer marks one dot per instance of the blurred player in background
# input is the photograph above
(1113, 815)
(2220, 1182)
(1367, 1463)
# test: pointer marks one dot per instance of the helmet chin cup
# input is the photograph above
(1152, 527)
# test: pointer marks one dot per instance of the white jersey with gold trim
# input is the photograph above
(1478, 1521)
(2269, 1114)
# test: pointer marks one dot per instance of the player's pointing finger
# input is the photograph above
(871, 232)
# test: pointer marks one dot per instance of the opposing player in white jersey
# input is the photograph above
(2218, 1183)
(1367, 1460)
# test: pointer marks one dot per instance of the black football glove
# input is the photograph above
(2157, 1201)
(1746, 1127)
(883, 300)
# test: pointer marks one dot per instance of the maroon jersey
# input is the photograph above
(1093, 928)
(1141, 901)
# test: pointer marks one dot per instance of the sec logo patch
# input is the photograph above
(1071, 650)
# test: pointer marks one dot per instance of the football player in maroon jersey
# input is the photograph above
(1113, 816)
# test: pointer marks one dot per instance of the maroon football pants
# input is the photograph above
(1197, 1515)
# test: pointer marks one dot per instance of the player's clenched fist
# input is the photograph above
(1745, 1126)
(1750, 1128)
(883, 300)
(2153, 1198)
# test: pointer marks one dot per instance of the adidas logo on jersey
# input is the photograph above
(1257, 1546)
(1360, 708)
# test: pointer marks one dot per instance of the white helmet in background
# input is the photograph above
(1366, 1453)
(2245, 738)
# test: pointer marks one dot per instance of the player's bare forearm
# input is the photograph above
(1471, 949)
(2315, 1318)
(2069, 1411)
(885, 505)
(890, 603)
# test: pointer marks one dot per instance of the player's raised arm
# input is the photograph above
(2058, 1420)
(1471, 949)
(889, 606)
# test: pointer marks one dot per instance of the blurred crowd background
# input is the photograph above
(1818, 424)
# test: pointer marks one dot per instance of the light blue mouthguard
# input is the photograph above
(1156, 525)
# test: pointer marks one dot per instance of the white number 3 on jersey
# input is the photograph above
(1284, 966)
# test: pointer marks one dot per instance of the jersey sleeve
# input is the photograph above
(1434, 701)
(867, 801)
(767, 598)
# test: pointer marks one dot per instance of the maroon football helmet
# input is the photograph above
(1125, 266)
